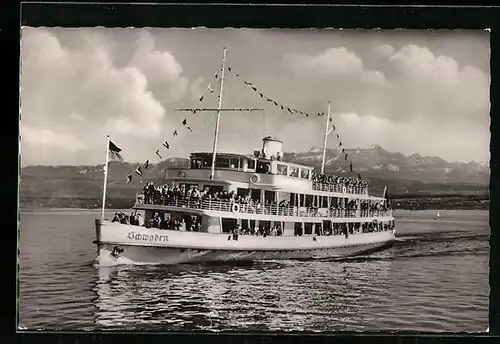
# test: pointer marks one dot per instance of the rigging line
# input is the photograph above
(197, 98)
(264, 123)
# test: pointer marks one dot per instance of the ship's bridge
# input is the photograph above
(255, 169)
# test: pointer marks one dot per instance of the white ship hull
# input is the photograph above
(140, 245)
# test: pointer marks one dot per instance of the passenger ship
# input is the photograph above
(244, 207)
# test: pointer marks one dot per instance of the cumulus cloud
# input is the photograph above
(62, 85)
(436, 86)
(333, 60)
(160, 68)
(196, 88)
(384, 50)
(86, 83)
(46, 137)
(414, 83)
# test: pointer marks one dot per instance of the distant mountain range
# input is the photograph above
(402, 174)
(377, 162)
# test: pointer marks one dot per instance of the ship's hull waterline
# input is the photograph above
(126, 244)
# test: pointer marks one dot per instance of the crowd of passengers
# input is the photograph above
(132, 219)
(349, 182)
(189, 223)
(166, 195)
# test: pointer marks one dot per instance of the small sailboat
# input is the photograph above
(437, 216)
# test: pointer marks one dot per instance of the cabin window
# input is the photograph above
(293, 172)
(255, 195)
(327, 227)
(187, 187)
(263, 167)
(264, 226)
(269, 197)
(309, 201)
(298, 229)
(222, 162)
(324, 202)
(282, 169)
(206, 162)
(308, 228)
(304, 173)
(234, 163)
(317, 229)
(251, 164)
(243, 193)
(196, 163)
(228, 225)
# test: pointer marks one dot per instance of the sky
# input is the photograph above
(409, 91)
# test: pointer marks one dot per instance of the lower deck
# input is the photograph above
(221, 223)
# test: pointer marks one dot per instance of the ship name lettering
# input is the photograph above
(146, 236)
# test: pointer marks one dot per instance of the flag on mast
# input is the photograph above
(114, 152)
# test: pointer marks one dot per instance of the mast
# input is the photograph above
(219, 107)
(105, 178)
(326, 136)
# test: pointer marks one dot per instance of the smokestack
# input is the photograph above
(272, 148)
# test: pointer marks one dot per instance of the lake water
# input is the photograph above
(435, 278)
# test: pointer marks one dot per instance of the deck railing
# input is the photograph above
(261, 209)
(357, 190)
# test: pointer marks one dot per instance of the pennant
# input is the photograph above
(346, 156)
(343, 150)
(359, 176)
(166, 145)
(254, 88)
(275, 103)
(129, 178)
(201, 99)
(210, 88)
(350, 166)
(191, 130)
(307, 115)
(338, 136)
(331, 120)
(261, 95)
(228, 68)
(289, 110)
(237, 74)
(184, 122)
(158, 153)
(175, 132)
(114, 152)
(146, 164)
(216, 75)
(282, 107)
(269, 100)
(340, 144)
(138, 170)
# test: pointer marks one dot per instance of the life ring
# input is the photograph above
(254, 178)
(235, 208)
(181, 174)
(344, 190)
